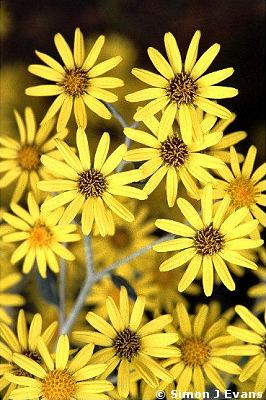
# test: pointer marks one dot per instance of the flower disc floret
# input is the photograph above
(75, 82)
(182, 89)
(58, 385)
(127, 344)
(195, 352)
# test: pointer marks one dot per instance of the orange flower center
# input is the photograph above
(195, 352)
(208, 241)
(242, 192)
(28, 158)
(40, 235)
(127, 344)
(92, 183)
(174, 151)
(121, 239)
(58, 385)
(182, 89)
(75, 81)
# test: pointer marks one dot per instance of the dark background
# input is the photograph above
(237, 25)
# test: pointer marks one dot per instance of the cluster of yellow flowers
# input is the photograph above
(73, 211)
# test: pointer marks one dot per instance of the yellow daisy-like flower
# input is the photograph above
(25, 343)
(244, 187)
(255, 347)
(77, 83)
(21, 159)
(128, 345)
(210, 241)
(59, 378)
(124, 240)
(203, 351)
(167, 155)
(151, 283)
(258, 291)
(182, 87)
(9, 299)
(40, 236)
(90, 187)
(209, 124)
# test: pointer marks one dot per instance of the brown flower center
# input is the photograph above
(75, 81)
(28, 158)
(40, 235)
(263, 345)
(92, 183)
(121, 239)
(195, 352)
(242, 192)
(174, 151)
(33, 355)
(58, 385)
(127, 344)
(208, 241)
(182, 89)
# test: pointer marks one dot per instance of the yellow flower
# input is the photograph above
(244, 187)
(167, 154)
(258, 291)
(128, 345)
(59, 379)
(40, 236)
(255, 347)
(181, 87)
(202, 351)
(77, 83)
(21, 159)
(25, 343)
(151, 283)
(209, 124)
(9, 299)
(124, 239)
(90, 187)
(210, 241)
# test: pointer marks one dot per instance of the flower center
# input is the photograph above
(208, 241)
(33, 355)
(182, 89)
(195, 352)
(40, 235)
(58, 385)
(28, 158)
(174, 151)
(127, 344)
(263, 345)
(242, 192)
(121, 238)
(75, 81)
(92, 183)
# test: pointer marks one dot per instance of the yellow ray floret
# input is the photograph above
(181, 86)
(58, 377)
(167, 155)
(204, 351)
(209, 242)
(128, 344)
(254, 346)
(244, 186)
(21, 158)
(90, 187)
(76, 83)
(40, 236)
